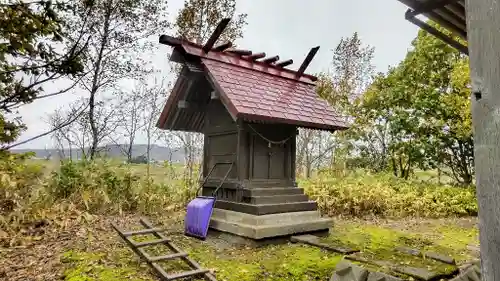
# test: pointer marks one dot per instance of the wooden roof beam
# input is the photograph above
(215, 35)
(429, 6)
(240, 52)
(223, 47)
(190, 106)
(307, 61)
(170, 41)
(284, 63)
(271, 59)
(256, 56)
(447, 39)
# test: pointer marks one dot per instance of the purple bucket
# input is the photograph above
(198, 214)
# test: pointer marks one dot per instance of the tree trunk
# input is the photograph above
(394, 166)
(483, 24)
(401, 170)
(300, 161)
(332, 160)
(95, 85)
(308, 165)
(95, 143)
(148, 157)
(148, 146)
(439, 173)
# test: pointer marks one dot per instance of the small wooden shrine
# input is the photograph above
(249, 107)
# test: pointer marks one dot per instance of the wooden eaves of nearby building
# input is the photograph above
(449, 14)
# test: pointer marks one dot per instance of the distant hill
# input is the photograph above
(158, 153)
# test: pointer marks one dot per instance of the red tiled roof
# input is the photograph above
(260, 96)
(258, 91)
(234, 59)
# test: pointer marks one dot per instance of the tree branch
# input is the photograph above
(65, 124)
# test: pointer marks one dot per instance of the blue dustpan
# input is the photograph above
(198, 214)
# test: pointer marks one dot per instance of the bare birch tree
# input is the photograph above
(129, 117)
(79, 133)
(314, 150)
(117, 32)
(152, 99)
(61, 135)
(152, 109)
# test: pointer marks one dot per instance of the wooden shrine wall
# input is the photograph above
(221, 139)
(255, 160)
(271, 161)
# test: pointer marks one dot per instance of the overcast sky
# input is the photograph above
(288, 28)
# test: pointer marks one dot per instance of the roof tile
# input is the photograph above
(256, 91)
(260, 96)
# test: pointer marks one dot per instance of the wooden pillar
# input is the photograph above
(251, 156)
(205, 157)
(293, 157)
(483, 31)
(242, 152)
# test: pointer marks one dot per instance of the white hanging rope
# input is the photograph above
(268, 140)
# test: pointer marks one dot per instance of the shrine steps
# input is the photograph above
(272, 200)
(274, 195)
(266, 212)
(285, 218)
(265, 209)
(271, 191)
(257, 200)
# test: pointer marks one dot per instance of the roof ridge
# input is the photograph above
(196, 49)
(262, 71)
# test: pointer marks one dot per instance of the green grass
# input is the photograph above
(102, 267)
(285, 262)
(288, 261)
(280, 262)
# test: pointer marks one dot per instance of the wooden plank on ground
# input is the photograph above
(315, 241)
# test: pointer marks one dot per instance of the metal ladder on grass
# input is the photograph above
(138, 248)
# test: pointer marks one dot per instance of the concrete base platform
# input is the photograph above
(268, 226)
(221, 239)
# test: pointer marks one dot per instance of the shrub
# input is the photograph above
(107, 187)
(103, 186)
(97, 185)
(141, 159)
(362, 193)
(18, 180)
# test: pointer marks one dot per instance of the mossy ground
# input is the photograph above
(114, 261)
(378, 241)
(276, 262)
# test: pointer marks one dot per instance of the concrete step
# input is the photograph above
(276, 199)
(270, 219)
(264, 209)
(267, 231)
(255, 183)
(270, 191)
